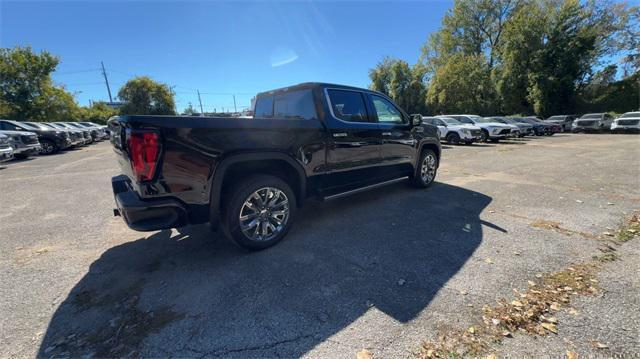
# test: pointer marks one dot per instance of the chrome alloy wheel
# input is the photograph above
(264, 214)
(46, 148)
(428, 168)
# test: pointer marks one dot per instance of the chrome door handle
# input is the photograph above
(386, 133)
(340, 134)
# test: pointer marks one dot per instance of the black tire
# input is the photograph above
(232, 211)
(484, 136)
(423, 181)
(494, 140)
(48, 147)
(20, 156)
(453, 138)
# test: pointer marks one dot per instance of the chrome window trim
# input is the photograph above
(326, 94)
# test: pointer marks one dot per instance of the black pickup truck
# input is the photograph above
(252, 174)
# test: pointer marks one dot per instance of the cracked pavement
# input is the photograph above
(382, 270)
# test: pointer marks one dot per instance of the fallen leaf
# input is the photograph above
(609, 234)
(631, 230)
(532, 283)
(610, 203)
(488, 261)
(463, 292)
(571, 355)
(555, 306)
(495, 321)
(516, 303)
(492, 211)
(550, 327)
(492, 356)
(599, 345)
(572, 311)
(553, 320)
(516, 253)
(364, 354)
(579, 201)
(471, 330)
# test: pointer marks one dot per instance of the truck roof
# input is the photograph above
(308, 85)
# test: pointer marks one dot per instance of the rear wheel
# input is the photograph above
(427, 169)
(259, 213)
(453, 138)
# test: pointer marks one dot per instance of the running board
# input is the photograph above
(362, 189)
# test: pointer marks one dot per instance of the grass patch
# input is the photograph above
(630, 229)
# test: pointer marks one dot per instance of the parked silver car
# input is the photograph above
(6, 151)
(593, 122)
(24, 143)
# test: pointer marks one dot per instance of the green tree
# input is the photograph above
(144, 96)
(99, 112)
(462, 85)
(404, 84)
(26, 89)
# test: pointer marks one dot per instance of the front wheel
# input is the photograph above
(427, 168)
(48, 147)
(259, 213)
(484, 136)
(453, 138)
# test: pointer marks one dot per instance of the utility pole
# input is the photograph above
(200, 100)
(104, 73)
(235, 109)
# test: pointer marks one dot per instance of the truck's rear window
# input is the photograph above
(291, 105)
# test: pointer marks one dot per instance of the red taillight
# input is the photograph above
(144, 149)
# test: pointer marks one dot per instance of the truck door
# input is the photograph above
(353, 156)
(399, 147)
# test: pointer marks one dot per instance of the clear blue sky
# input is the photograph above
(218, 47)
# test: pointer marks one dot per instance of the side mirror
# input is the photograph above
(416, 120)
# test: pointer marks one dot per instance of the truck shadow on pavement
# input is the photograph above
(193, 293)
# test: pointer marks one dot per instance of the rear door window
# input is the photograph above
(348, 105)
(264, 107)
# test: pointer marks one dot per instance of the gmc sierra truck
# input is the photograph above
(252, 174)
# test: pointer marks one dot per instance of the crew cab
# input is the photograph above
(23, 143)
(6, 151)
(252, 174)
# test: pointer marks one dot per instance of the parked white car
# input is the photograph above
(627, 122)
(453, 131)
(490, 130)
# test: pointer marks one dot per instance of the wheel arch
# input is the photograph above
(236, 167)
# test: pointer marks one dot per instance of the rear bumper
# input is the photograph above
(143, 214)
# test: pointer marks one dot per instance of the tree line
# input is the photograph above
(28, 93)
(540, 57)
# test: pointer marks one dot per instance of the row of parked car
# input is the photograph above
(456, 129)
(23, 139)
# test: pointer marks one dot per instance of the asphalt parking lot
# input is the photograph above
(382, 270)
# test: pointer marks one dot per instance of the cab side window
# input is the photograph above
(464, 120)
(348, 105)
(386, 111)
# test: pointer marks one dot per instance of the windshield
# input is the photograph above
(591, 116)
(555, 118)
(450, 121)
(25, 126)
(630, 114)
(36, 125)
(74, 125)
